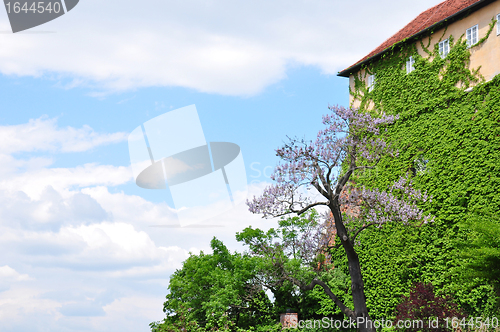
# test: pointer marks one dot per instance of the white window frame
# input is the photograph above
(498, 24)
(472, 35)
(410, 65)
(444, 48)
(371, 82)
(421, 164)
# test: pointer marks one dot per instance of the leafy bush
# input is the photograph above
(423, 305)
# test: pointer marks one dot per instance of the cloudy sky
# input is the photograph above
(78, 250)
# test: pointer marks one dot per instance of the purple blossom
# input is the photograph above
(351, 141)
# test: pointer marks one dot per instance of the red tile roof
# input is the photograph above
(425, 20)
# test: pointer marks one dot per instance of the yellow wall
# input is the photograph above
(486, 55)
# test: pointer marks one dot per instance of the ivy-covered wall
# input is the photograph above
(449, 140)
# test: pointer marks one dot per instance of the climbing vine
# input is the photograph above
(449, 140)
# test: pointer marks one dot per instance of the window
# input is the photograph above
(471, 35)
(410, 65)
(444, 48)
(420, 165)
(498, 24)
(371, 83)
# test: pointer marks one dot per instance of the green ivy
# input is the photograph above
(449, 139)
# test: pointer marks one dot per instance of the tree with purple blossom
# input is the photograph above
(351, 143)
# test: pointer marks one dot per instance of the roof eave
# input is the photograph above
(351, 70)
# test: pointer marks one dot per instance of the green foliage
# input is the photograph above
(483, 249)
(480, 254)
(216, 291)
(224, 291)
(181, 324)
(450, 140)
(282, 256)
(339, 283)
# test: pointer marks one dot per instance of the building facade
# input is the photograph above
(439, 27)
(440, 75)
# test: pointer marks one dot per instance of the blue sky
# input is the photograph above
(77, 250)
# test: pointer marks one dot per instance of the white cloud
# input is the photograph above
(94, 273)
(106, 246)
(173, 257)
(225, 47)
(159, 222)
(43, 135)
(32, 176)
(50, 211)
(136, 312)
(129, 313)
(20, 302)
(62, 179)
(132, 209)
(9, 274)
(9, 164)
(78, 232)
(114, 243)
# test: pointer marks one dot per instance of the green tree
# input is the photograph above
(351, 144)
(287, 264)
(216, 291)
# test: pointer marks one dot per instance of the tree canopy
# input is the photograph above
(351, 143)
(216, 291)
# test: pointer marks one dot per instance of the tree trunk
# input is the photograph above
(363, 319)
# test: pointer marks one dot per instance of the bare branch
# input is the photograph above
(342, 182)
(325, 184)
(322, 191)
(361, 229)
(299, 212)
(328, 177)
